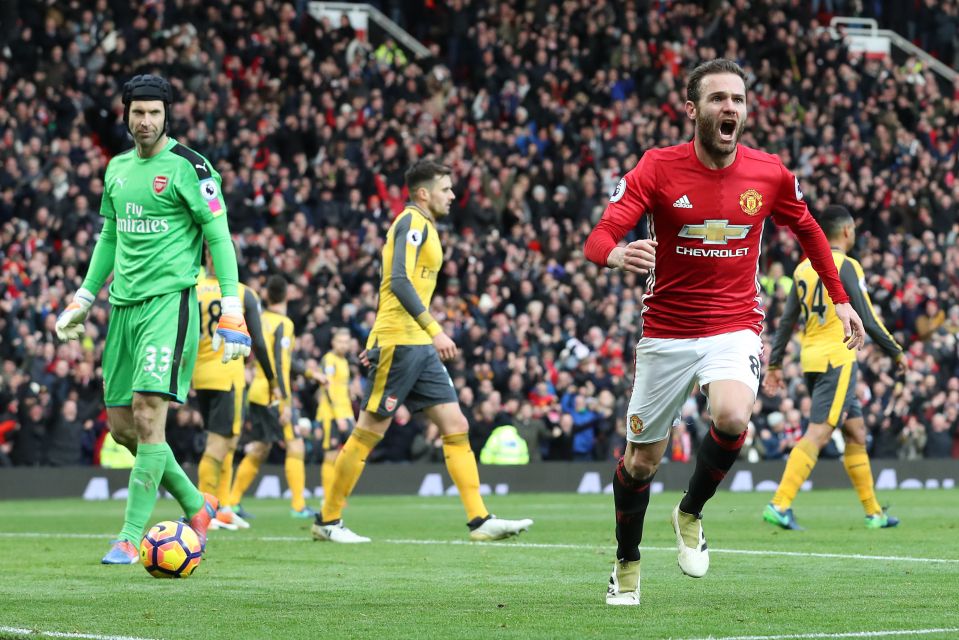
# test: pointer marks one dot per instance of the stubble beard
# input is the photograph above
(707, 132)
(438, 211)
(147, 142)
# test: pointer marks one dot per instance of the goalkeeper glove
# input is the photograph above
(70, 322)
(231, 330)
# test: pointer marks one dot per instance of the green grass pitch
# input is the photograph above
(421, 578)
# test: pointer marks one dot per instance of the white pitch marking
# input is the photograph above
(850, 634)
(16, 631)
(525, 545)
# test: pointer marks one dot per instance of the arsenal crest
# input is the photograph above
(751, 201)
(636, 424)
(390, 403)
(159, 184)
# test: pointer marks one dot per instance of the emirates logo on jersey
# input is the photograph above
(159, 184)
(751, 201)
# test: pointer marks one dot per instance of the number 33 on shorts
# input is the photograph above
(157, 361)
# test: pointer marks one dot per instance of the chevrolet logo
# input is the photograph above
(715, 231)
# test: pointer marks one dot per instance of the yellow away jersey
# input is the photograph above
(210, 372)
(335, 401)
(412, 258)
(278, 333)
(822, 337)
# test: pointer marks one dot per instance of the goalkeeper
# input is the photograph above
(160, 200)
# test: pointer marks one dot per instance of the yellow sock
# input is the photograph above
(800, 464)
(461, 464)
(208, 473)
(296, 479)
(856, 461)
(349, 466)
(245, 475)
(327, 473)
(226, 479)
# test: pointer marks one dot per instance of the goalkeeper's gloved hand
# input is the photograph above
(70, 322)
(231, 330)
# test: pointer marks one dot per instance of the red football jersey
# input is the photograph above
(709, 225)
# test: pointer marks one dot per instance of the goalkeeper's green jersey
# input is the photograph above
(159, 205)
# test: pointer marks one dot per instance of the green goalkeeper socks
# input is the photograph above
(155, 466)
(142, 490)
(179, 484)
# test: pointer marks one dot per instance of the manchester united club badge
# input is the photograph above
(751, 201)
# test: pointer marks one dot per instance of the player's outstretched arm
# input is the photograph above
(773, 381)
(790, 208)
(817, 249)
(282, 390)
(627, 204)
(787, 322)
(851, 326)
(231, 330)
(70, 323)
(855, 285)
(251, 313)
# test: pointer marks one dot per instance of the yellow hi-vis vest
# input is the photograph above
(114, 455)
(505, 446)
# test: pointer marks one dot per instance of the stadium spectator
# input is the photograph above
(774, 440)
(65, 445)
(398, 443)
(940, 435)
(912, 439)
(29, 447)
(427, 445)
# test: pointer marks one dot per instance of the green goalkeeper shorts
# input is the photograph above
(151, 348)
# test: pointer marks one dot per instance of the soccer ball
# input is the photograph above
(170, 550)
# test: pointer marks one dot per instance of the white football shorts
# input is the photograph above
(668, 368)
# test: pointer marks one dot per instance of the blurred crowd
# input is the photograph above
(539, 108)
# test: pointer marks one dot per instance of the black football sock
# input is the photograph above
(716, 456)
(631, 497)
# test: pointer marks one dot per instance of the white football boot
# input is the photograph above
(336, 532)
(693, 555)
(494, 528)
(623, 586)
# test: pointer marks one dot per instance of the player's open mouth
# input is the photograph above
(727, 130)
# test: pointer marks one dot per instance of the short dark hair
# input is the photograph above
(276, 289)
(713, 67)
(833, 218)
(425, 172)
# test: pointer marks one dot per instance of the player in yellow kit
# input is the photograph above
(219, 391)
(271, 421)
(830, 370)
(334, 412)
(406, 350)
